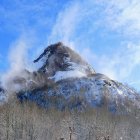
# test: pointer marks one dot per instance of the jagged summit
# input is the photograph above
(58, 60)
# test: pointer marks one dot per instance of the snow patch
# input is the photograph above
(120, 92)
(60, 75)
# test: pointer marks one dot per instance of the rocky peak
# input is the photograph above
(60, 58)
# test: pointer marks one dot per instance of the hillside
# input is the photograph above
(65, 99)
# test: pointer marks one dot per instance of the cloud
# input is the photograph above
(65, 24)
(74, 23)
(87, 25)
(124, 16)
(18, 54)
(18, 61)
(122, 62)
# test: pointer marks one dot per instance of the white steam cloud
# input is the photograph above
(18, 60)
(20, 75)
(18, 55)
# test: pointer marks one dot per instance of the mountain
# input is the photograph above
(75, 84)
(65, 99)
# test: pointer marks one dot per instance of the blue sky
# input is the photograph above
(106, 33)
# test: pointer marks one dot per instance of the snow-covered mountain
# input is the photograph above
(70, 82)
(73, 102)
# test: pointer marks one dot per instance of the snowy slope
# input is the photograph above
(81, 93)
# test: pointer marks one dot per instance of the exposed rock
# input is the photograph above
(58, 57)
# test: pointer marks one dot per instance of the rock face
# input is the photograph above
(58, 61)
(73, 102)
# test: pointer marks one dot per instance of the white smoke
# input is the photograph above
(20, 75)
(18, 60)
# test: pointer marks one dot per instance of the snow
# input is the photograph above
(73, 71)
(60, 75)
